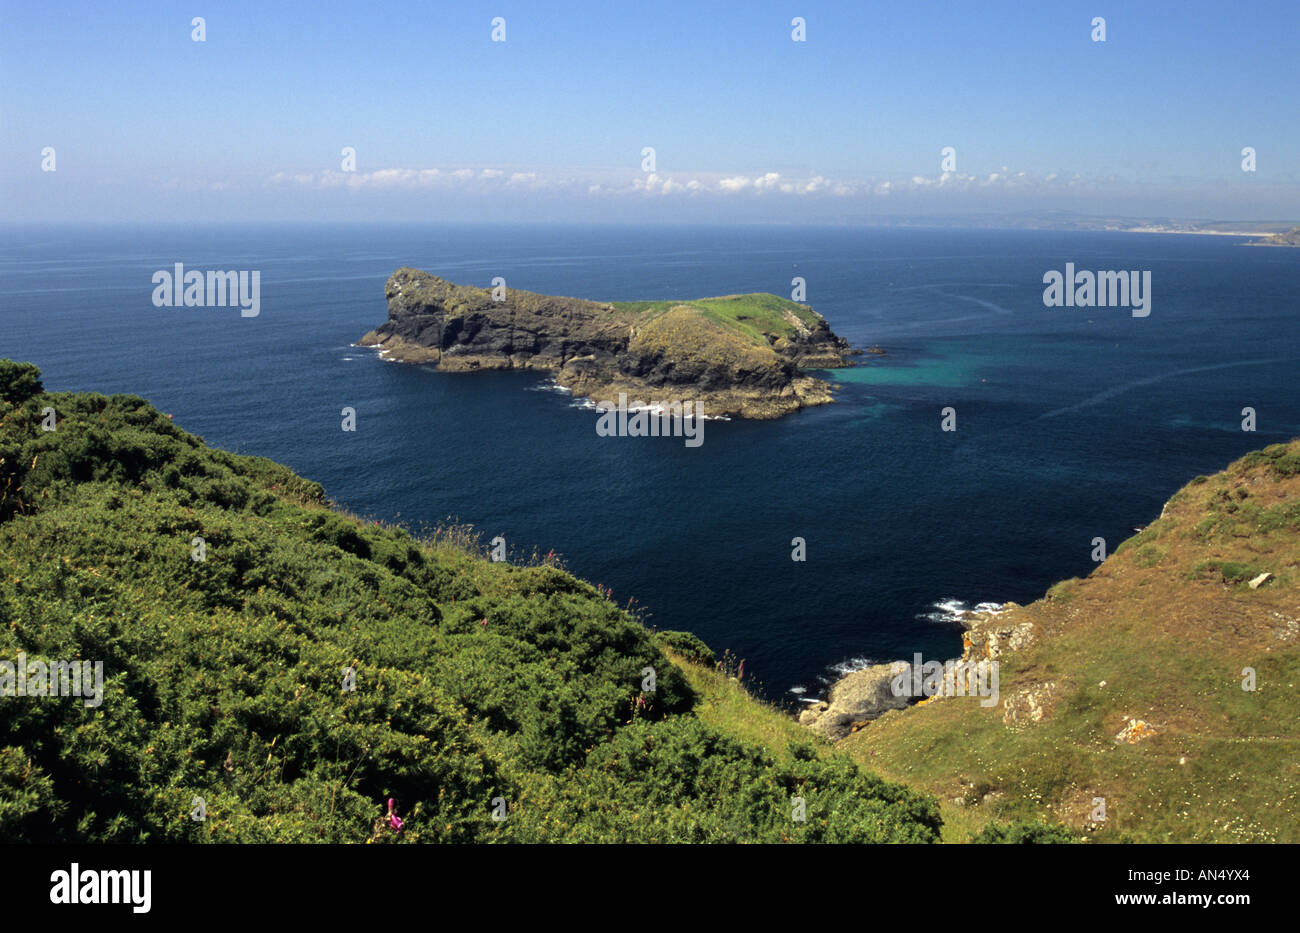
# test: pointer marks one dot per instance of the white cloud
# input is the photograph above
(608, 184)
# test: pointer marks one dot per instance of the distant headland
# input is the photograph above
(745, 356)
(1290, 238)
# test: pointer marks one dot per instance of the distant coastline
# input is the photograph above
(1289, 238)
(1245, 233)
(1086, 223)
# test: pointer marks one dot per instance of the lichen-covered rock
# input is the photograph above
(1134, 731)
(1028, 704)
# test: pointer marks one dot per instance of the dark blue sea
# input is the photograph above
(1071, 423)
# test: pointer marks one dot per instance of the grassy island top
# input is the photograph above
(754, 314)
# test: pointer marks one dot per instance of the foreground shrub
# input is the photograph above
(283, 670)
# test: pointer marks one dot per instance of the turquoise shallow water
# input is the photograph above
(953, 363)
(1071, 422)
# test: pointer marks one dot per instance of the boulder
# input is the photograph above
(858, 698)
(1029, 704)
(1260, 581)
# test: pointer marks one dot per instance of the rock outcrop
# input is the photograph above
(857, 698)
(741, 355)
(862, 696)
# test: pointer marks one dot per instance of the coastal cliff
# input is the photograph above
(738, 355)
(1162, 683)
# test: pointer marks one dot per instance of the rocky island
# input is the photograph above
(738, 355)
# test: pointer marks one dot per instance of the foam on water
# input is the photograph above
(954, 611)
(844, 668)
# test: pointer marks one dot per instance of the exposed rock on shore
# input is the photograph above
(855, 699)
(865, 695)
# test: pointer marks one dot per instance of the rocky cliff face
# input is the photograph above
(739, 355)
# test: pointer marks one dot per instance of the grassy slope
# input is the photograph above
(474, 680)
(727, 706)
(1168, 624)
(754, 316)
(682, 335)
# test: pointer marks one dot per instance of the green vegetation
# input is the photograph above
(1148, 555)
(1064, 591)
(1230, 572)
(1277, 459)
(1024, 833)
(755, 316)
(688, 646)
(225, 677)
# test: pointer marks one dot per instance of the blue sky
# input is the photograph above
(747, 125)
